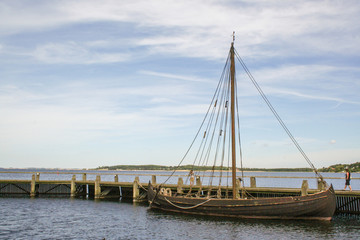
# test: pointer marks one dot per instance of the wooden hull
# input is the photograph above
(318, 206)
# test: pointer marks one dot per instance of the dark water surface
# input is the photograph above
(53, 218)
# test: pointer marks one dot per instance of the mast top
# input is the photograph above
(233, 37)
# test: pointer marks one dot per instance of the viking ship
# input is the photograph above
(220, 129)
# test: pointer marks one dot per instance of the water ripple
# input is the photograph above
(42, 218)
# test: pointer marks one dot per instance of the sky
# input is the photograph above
(100, 83)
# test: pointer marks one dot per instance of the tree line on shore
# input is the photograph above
(354, 167)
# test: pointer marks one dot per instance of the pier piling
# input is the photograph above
(73, 187)
(33, 186)
(304, 188)
(252, 182)
(97, 193)
(84, 177)
(136, 191)
(320, 184)
(238, 184)
(180, 185)
(198, 181)
(37, 177)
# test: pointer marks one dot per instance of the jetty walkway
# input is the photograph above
(347, 202)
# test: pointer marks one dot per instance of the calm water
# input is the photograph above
(53, 218)
(43, 218)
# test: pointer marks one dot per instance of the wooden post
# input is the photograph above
(33, 186)
(237, 188)
(198, 184)
(153, 180)
(84, 177)
(85, 187)
(37, 177)
(73, 187)
(180, 185)
(136, 191)
(252, 182)
(198, 181)
(97, 193)
(321, 185)
(304, 188)
(116, 178)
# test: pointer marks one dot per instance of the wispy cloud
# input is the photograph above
(173, 76)
(75, 53)
(289, 28)
(308, 96)
(91, 72)
(92, 108)
(312, 82)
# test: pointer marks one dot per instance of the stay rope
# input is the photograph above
(277, 115)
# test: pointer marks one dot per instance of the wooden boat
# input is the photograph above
(318, 206)
(237, 203)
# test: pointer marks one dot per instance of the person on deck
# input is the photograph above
(347, 179)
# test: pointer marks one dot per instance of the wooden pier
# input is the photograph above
(347, 202)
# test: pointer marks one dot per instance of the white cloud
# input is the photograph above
(173, 76)
(203, 29)
(182, 111)
(75, 53)
(113, 103)
(86, 111)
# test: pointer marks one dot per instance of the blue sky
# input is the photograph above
(92, 83)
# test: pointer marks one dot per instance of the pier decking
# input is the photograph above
(347, 202)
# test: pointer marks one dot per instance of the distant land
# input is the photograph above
(354, 167)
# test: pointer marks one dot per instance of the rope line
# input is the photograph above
(195, 206)
(276, 114)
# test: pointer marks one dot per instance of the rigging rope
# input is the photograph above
(192, 143)
(240, 148)
(276, 114)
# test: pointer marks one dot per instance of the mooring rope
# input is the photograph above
(197, 205)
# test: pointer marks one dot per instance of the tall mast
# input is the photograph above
(233, 139)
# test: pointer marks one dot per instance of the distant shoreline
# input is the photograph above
(195, 168)
(354, 167)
